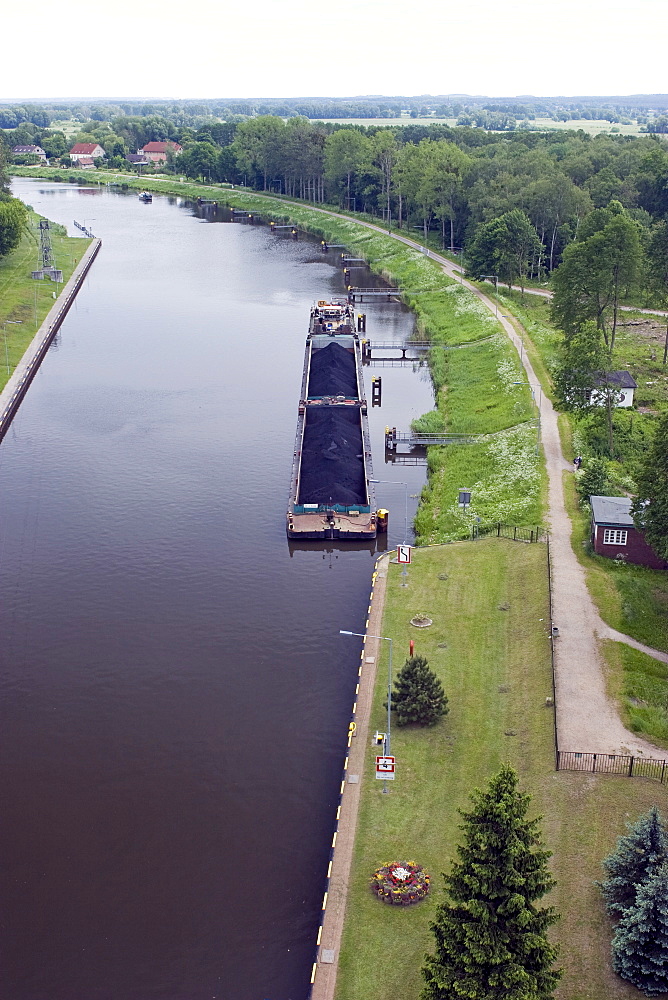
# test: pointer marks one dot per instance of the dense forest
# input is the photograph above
(442, 179)
(446, 180)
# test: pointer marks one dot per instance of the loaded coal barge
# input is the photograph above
(330, 494)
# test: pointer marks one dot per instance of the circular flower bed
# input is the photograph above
(421, 621)
(401, 883)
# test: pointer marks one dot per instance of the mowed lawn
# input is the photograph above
(489, 644)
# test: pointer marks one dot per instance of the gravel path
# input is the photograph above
(587, 719)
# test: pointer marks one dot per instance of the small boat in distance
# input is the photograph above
(146, 196)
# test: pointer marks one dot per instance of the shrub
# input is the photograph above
(418, 696)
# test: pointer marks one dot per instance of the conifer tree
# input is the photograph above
(639, 854)
(640, 944)
(418, 696)
(491, 939)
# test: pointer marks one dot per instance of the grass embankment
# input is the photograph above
(474, 384)
(24, 301)
(489, 645)
(639, 684)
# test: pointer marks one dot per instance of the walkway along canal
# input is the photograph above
(174, 699)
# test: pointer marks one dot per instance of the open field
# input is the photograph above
(535, 124)
(489, 645)
(24, 302)
(403, 120)
(587, 125)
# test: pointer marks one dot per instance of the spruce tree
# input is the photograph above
(418, 696)
(490, 937)
(639, 854)
(640, 944)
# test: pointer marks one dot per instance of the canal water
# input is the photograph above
(174, 692)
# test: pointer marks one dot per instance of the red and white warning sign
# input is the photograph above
(385, 768)
(404, 554)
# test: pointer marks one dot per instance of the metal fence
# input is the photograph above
(513, 531)
(612, 763)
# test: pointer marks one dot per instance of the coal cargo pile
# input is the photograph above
(332, 466)
(333, 372)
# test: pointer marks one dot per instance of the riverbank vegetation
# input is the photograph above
(489, 646)
(24, 301)
(13, 213)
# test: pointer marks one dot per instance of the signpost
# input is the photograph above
(385, 768)
(404, 554)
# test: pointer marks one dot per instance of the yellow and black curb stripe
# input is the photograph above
(352, 728)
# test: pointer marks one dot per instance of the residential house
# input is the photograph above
(157, 151)
(613, 533)
(86, 163)
(86, 150)
(29, 151)
(622, 385)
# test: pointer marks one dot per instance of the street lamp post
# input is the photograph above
(387, 742)
(12, 322)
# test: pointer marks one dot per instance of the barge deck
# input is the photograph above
(331, 495)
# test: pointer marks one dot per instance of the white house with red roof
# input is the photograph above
(156, 152)
(86, 151)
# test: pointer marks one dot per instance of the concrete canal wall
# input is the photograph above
(13, 393)
(330, 931)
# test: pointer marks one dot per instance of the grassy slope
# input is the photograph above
(495, 666)
(473, 384)
(23, 299)
(639, 684)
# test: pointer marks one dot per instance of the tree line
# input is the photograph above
(450, 181)
(13, 213)
(194, 112)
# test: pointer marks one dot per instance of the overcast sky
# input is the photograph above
(216, 48)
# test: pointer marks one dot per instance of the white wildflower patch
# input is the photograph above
(466, 303)
(511, 486)
(509, 376)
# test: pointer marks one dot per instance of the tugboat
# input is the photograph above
(146, 196)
